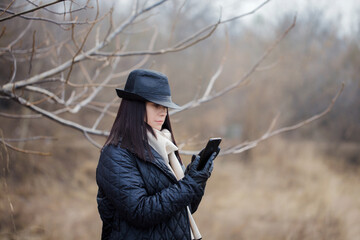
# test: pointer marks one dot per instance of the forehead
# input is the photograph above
(154, 104)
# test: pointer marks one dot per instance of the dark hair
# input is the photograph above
(130, 129)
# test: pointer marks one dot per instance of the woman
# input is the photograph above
(143, 190)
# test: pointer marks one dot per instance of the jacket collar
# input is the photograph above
(160, 163)
(157, 161)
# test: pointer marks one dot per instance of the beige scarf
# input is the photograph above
(166, 149)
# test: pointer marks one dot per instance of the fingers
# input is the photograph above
(209, 163)
(213, 156)
(193, 157)
(211, 167)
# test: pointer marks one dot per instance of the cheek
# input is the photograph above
(150, 115)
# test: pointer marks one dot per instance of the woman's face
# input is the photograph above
(155, 115)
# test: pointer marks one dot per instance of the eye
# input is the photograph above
(160, 107)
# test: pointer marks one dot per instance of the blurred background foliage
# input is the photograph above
(299, 185)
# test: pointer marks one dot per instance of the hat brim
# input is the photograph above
(132, 96)
(128, 95)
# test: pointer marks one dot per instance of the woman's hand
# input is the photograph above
(201, 176)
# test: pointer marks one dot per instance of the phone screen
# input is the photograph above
(211, 147)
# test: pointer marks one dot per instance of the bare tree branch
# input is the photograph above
(35, 138)
(26, 151)
(9, 47)
(20, 116)
(248, 13)
(158, 52)
(270, 133)
(14, 71)
(7, 145)
(92, 141)
(69, 84)
(61, 24)
(80, 57)
(207, 28)
(29, 11)
(101, 116)
(83, 42)
(6, 152)
(7, 8)
(218, 72)
(241, 82)
(6, 171)
(56, 118)
(61, 13)
(31, 116)
(46, 93)
(32, 52)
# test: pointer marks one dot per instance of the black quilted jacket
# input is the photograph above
(140, 199)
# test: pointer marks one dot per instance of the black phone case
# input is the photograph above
(211, 147)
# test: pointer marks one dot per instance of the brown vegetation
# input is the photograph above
(299, 185)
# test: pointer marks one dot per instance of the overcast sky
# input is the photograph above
(346, 12)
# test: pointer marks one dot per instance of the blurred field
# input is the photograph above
(289, 190)
(300, 185)
(285, 190)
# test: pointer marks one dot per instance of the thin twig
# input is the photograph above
(28, 116)
(3, 30)
(14, 70)
(92, 141)
(60, 13)
(29, 11)
(7, 7)
(61, 24)
(98, 109)
(186, 43)
(6, 152)
(35, 138)
(56, 118)
(96, 90)
(218, 72)
(207, 28)
(83, 42)
(27, 151)
(241, 82)
(175, 21)
(9, 47)
(101, 116)
(268, 134)
(158, 52)
(46, 93)
(32, 52)
(6, 171)
(80, 57)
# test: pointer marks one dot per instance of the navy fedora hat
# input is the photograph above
(147, 85)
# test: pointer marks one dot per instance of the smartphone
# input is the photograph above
(211, 147)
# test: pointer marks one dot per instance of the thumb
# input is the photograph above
(195, 160)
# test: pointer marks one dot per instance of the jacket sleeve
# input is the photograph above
(122, 183)
(195, 203)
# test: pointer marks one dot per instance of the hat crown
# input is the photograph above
(147, 85)
(145, 82)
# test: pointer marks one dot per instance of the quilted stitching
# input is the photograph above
(142, 200)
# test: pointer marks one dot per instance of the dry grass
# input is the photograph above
(287, 190)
